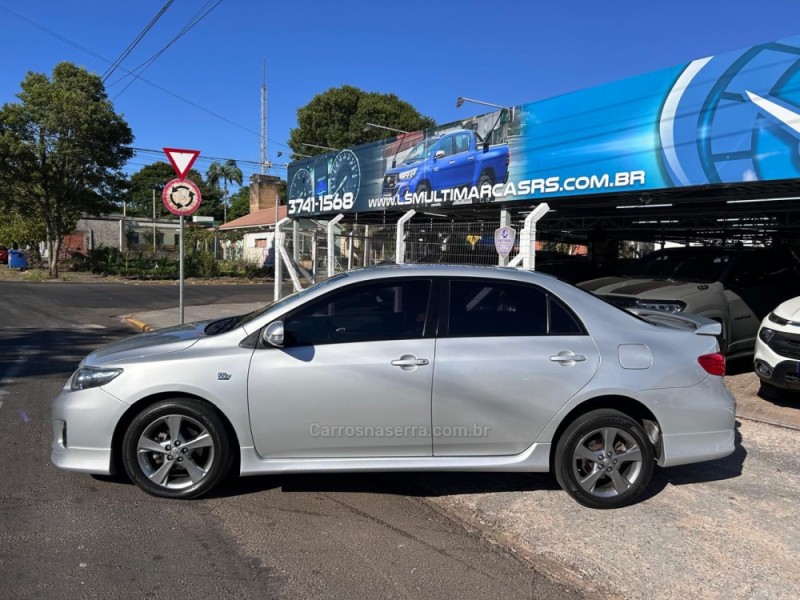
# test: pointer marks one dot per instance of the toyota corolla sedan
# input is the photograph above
(406, 368)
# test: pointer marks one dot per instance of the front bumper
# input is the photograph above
(785, 374)
(776, 368)
(83, 429)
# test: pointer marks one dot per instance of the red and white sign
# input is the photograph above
(181, 197)
(181, 160)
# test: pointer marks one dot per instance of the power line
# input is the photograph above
(137, 72)
(147, 81)
(135, 42)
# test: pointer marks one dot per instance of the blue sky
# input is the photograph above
(427, 52)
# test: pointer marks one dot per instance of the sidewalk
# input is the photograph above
(783, 410)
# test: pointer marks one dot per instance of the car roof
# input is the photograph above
(430, 270)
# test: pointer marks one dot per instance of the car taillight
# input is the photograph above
(714, 364)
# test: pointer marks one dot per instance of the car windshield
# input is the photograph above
(419, 151)
(230, 323)
(682, 266)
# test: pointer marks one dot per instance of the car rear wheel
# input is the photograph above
(486, 178)
(176, 448)
(604, 459)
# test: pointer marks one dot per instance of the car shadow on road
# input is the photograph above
(720, 469)
(50, 351)
(779, 397)
(400, 483)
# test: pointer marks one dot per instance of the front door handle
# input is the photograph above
(409, 362)
(567, 358)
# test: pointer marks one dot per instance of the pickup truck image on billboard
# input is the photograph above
(456, 159)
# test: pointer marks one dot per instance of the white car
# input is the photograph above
(777, 358)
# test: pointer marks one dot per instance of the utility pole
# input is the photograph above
(154, 218)
(264, 118)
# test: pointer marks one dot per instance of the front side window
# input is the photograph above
(483, 308)
(389, 310)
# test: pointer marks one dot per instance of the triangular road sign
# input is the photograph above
(181, 160)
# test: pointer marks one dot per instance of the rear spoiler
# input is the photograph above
(700, 325)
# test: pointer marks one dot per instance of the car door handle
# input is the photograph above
(409, 361)
(452, 162)
(567, 358)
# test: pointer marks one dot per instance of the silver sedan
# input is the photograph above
(412, 368)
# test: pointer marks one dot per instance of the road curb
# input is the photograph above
(137, 324)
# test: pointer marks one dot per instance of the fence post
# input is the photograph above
(331, 250)
(295, 240)
(527, 246)
(277, 244)
(367, 250)
(400, 243)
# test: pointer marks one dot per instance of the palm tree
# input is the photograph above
(224, 173)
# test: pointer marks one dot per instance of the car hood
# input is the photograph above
(162, 341)
(789, 310)
(402, 167)
(647, 288)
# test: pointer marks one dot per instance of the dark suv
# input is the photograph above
(735, 286)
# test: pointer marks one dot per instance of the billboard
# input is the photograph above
(730, 118)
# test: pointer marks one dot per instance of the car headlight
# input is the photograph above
(88, 377)
(766, 334)
(672, 306)
(779, 320)
(407, 174)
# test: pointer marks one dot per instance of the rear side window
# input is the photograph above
(486, 308)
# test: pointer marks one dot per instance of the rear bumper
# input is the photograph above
(698, 423)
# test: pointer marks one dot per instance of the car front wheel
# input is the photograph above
(176, 448)
(604, 459)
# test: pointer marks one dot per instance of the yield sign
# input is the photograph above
(181, 160)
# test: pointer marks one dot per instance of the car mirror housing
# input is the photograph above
(439, 154)
(273, 334)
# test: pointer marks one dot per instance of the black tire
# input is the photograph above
(486, 178)
(590, 469)
(191, 467)
(423, 187)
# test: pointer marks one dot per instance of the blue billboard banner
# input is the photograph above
(724, 119)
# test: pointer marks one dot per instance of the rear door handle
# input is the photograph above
(567, 358)
(408, 362)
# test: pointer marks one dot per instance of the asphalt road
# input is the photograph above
(70, 535)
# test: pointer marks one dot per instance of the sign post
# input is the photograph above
(181, 197)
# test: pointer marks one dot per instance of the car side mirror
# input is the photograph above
(439, 154)
(273, 334)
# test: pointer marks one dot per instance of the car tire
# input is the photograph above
(604, 459)
(176, 448)
(485, 179)
(423, 187)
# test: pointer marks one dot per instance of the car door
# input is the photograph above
(353, 379)
(442, 173)
(508, 357)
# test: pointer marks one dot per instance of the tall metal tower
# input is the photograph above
(264, 119)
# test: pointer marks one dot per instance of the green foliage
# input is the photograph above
(240, 203)
(153, 177)
(63, 147)
(224, 173)
(337, 118)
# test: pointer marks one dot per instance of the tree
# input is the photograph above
(337, 118)
(155, 176)
(240, 203)
(225, 173)
(62, 148)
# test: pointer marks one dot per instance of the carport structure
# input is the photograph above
(701, 153)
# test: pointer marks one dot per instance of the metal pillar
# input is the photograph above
(331, 250)
(400, 242)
